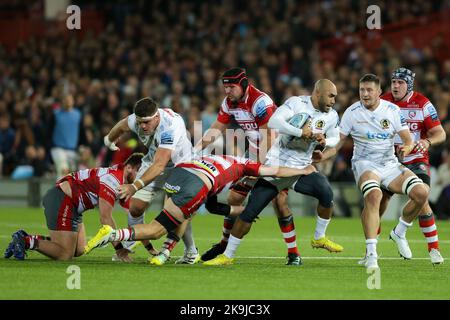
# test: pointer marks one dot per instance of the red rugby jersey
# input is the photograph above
(251, 113)
(223, 170)
(421, 116)
(89, 185)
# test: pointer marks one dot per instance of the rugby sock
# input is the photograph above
(429, 230)
(233, 244)
(228, 223)
(122, 235)
(32, 241)
(288, 230)
(371, 247)
(321, 228)
(188, 239)
(170, 242)
(401, 228)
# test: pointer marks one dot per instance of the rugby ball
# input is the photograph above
(298, 120)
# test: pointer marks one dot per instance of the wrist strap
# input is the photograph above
(429, 141)
(141, 182)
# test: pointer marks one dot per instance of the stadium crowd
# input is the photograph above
(175, 52)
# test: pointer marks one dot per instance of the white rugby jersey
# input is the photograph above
(295, 155)
(170, 134)
(373, 131)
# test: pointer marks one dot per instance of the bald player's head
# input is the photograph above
(324, 95)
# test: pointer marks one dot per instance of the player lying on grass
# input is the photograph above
(64, 205)
(188, 187)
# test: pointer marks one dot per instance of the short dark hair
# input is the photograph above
(146, 107)
(370, 78)
(134, 160)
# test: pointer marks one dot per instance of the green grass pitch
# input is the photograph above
(258, 273)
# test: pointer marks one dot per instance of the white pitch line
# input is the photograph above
(333, 258)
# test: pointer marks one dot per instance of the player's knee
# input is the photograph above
(326, 196)
(235, 199)
(416, 190)
(79, 252)
(136, 211)
(419, 194)
(65, 256)
(373, 197)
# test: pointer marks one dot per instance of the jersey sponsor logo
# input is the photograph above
(378, 135)
(402, 120)
(433, 113)
(320, 124)
(170, 188)
(385, 124)
(167, 137)
(412, 114)
(261, 109)
(413, 126)
(241, 115)
(249, 126)
(206, 165)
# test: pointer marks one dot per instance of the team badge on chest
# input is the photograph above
(385, 124)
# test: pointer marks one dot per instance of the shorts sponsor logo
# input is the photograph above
(170, 188)
(64, 216)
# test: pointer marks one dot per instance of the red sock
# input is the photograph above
(170, 242)
(227, 226)
(288, 230)
(429, 230)
(31, 241)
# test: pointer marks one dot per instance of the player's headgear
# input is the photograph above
(405, 75)
(235, 76)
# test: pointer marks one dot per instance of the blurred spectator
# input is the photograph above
(175, 51)
(66, 128)
(7, 137)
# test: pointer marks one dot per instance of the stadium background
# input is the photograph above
(175, 52)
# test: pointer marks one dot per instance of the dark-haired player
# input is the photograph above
(164, 134)
(64, 205)
(188, 186)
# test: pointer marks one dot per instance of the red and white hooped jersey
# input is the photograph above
(223, 170)
(89, 185)
(253, 112)
(421, 116)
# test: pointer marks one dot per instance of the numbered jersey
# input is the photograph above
(91, 184)
(170, 134)
(373, 131)
(420, 116)
(295, 152)
(223, 170)
(254, 111)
